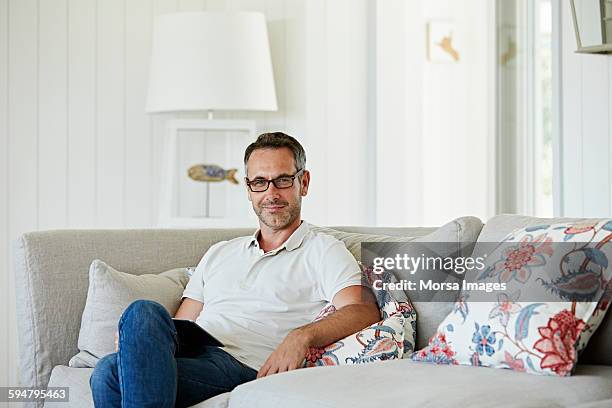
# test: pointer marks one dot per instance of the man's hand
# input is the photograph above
(289, 355)
(116, 341)
(356, 309)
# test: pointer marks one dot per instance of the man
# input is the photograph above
(258, 295)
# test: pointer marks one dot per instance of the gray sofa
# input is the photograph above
(51, 271)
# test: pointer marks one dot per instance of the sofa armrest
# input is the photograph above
(51, 278)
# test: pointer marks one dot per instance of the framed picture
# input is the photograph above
(203, 174)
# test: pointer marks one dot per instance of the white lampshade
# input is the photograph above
(211, 61)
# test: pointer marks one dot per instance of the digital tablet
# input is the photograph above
(192, 336)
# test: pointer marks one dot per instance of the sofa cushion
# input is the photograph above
(459, 235)
(598, 350)
(109, 293)
(77, 379)
(422, 385)
(415, 385)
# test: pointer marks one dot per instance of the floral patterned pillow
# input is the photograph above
(400, 301)
(518, 332)
(381, 341)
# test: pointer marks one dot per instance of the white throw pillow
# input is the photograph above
(110, 293)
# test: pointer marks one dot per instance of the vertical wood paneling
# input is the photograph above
(338, 103)
(410, 112)
(158, 124)
(586, 144)
(595, 136)
(356, 139)
(138, 177)
(571, 64)
(110, 137)
(346, 96)
(191, 148)
(399, 113)
(82, 102)
(23, 140)
(315, 204)
(52, 113)
(4, 197)
(437, 93)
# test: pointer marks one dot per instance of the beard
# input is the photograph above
(280, 219)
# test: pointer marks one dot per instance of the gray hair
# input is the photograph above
(278, 140)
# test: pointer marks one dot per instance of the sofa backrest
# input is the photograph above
(599, 348)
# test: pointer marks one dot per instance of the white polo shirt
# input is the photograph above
(252, 299)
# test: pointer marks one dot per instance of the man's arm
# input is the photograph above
(356, 309)
(189, 309)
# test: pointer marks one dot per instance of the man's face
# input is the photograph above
(276, 208)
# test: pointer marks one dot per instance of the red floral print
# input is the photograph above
(558, 342)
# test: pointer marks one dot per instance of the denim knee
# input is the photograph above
(145, 310)
(146, 316)
(105, 372)
(145, 307)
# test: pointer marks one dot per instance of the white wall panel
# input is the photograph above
(158, 127)
(52, 113)
(52, 108)
(316, 82)
(340, 140)
(586, 128)
(355, 136)
(595, 136)
(82, 113)
(138, 178)
(111, 119)
(399, 102)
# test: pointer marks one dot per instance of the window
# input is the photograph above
(524, 112)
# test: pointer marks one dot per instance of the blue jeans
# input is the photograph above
(149, 370)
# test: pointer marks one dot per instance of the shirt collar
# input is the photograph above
(293, 242)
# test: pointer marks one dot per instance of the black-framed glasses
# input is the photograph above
(259, 185)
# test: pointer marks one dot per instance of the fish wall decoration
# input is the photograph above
(212, 172)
